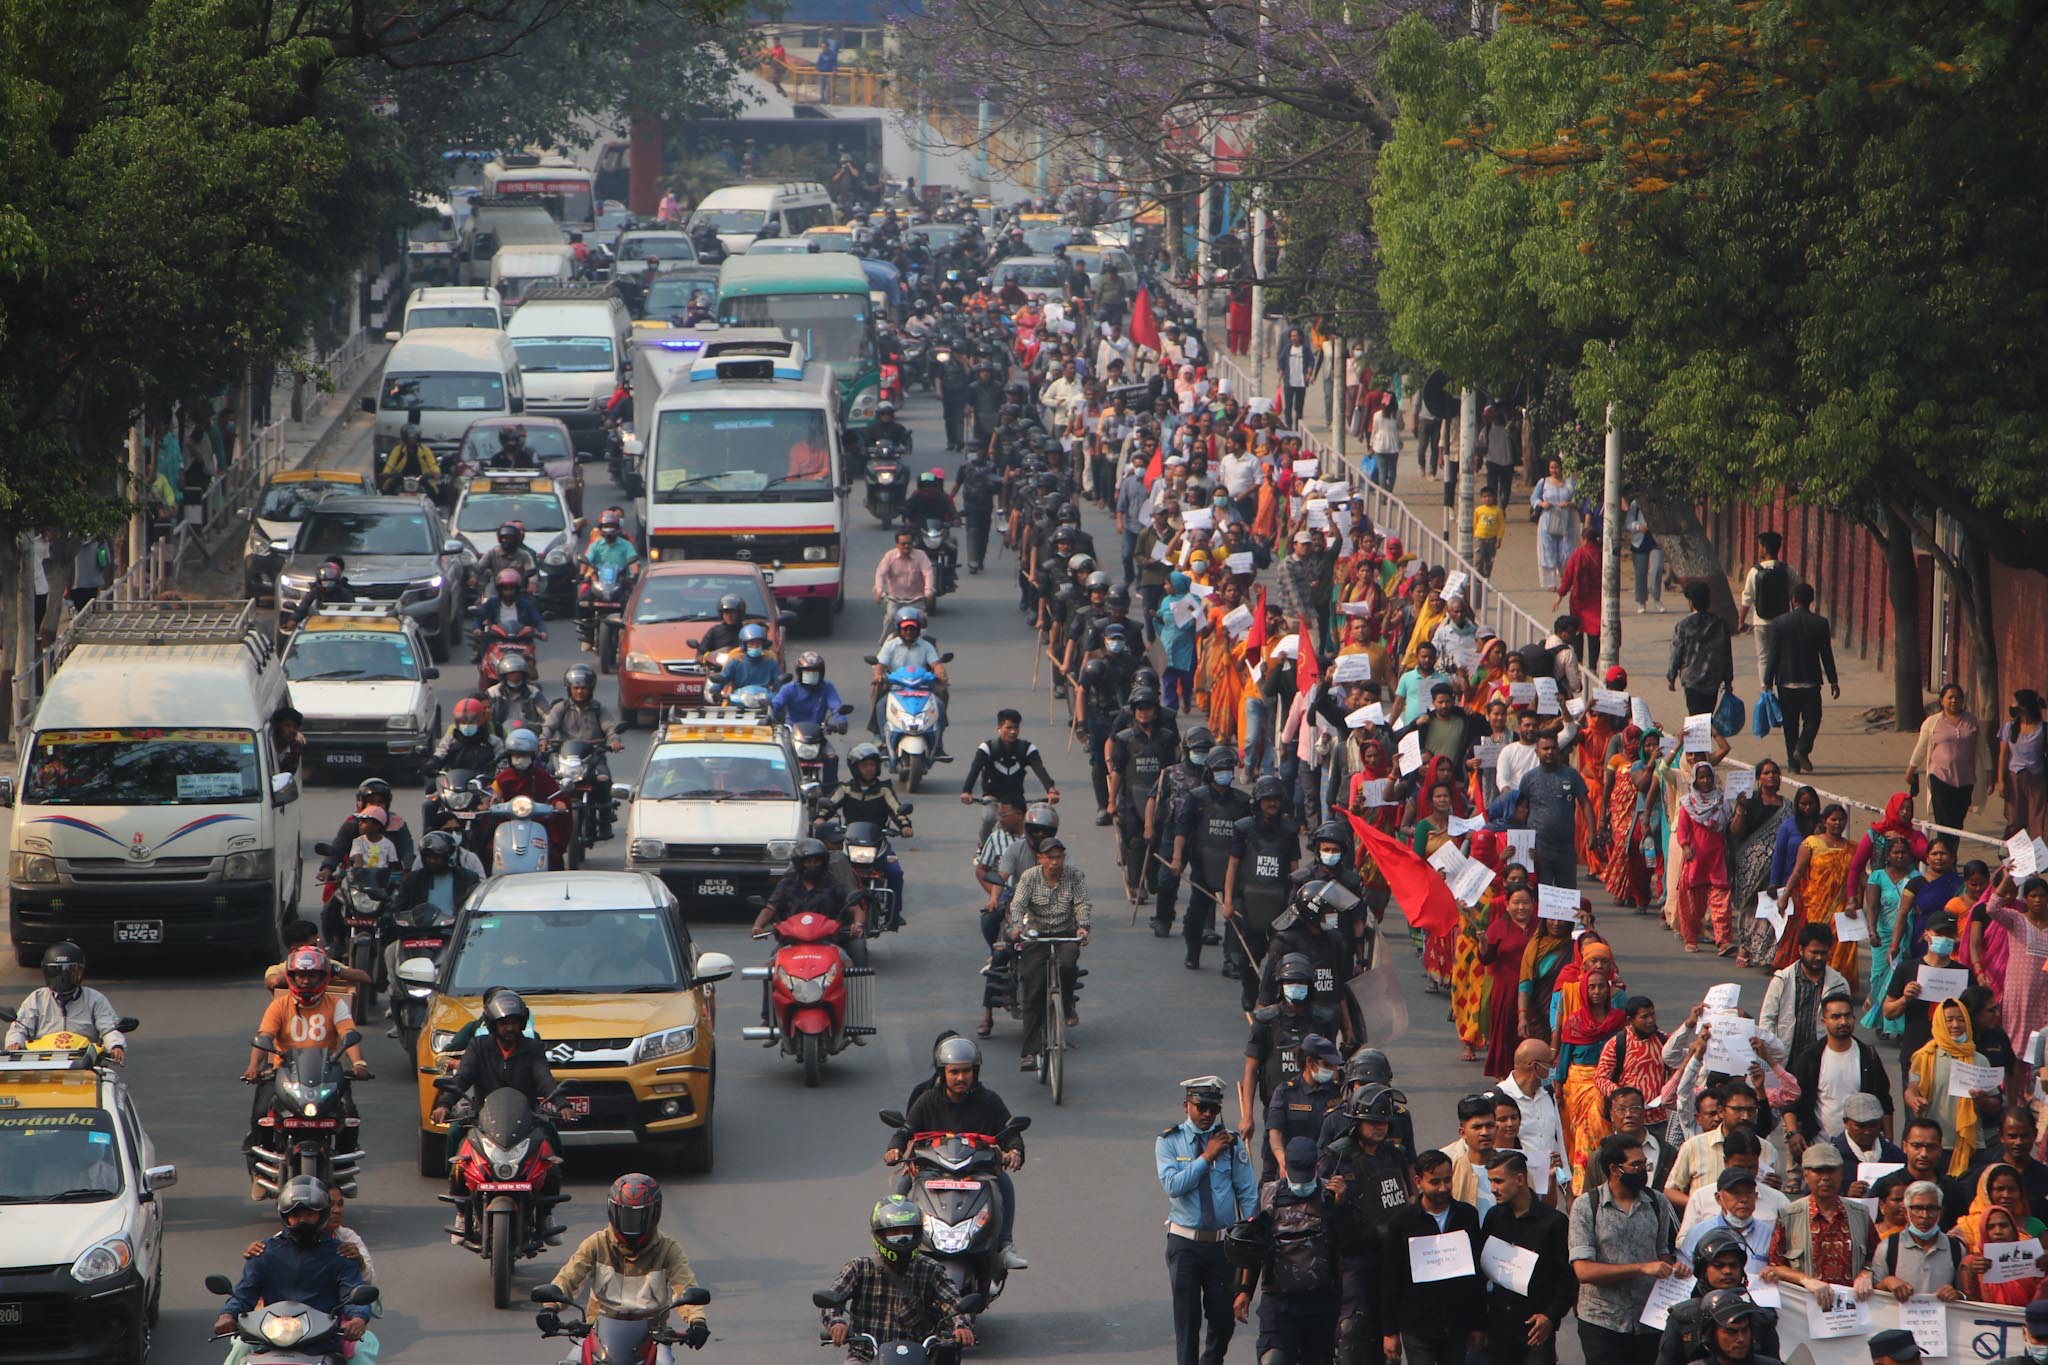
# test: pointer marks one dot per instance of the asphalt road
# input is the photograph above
(797, 1170)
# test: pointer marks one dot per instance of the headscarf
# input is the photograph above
(1179, 583)
(1592, 955)
(1894, 821)
(1960, 1047)
(1708, 809)
(1629, 743)
(1372, 758)
(1580, 1028)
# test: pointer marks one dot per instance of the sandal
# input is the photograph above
(984, 1028)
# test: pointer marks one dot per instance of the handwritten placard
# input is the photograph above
(1925, 1316)
(1239, 563)
(1728, 1049)
(1850, 1316)
(1317, 515)
(1467, 824)
(1639, 714)
(1411, 753)
(1966, 1079)
(1162, 553)
(1851, 929)
(1698, 736)
(1868, 1173)
(1521, 694)
(1665, 1295)
(1454, 585)
(2019, 850)
(1448, 860)
(1373, 792)
(1184, 610)
(1768, 910)
(1488, 753)
(1522, 847)
(1546, 696)
(1289, 647)
(1238, 622)
(1556, 902)
(1738, 782)
(1942, 983)
(1354, 608)
(1199, 519)
(1724, 996)
(1608, 702)
(1507, 1265)
(1575, 708)
(1471, 882)
(1304, 469)
(1372, 713)
(1352, 668)
(1445, 1256)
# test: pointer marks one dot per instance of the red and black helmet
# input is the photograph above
(471, 710)
(634, 1210)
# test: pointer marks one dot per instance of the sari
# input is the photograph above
(1590, 755)
(1469, 978)
(1580, 1104)
(1750, 870)
(1435, 946)
(1987, 1223)
(1373, 766)
(1492, 669)
(1634, 820)
(1542, 962)
(1591, 956)
(1223, 667)
(1501, 953)
(1882, 964)
(1997, 946)
(1816, 897)
(1928, 1072)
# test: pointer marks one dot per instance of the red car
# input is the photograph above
(672, 606)
(547, 437)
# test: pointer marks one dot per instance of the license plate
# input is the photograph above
(138, 931)
(505, 1187)
(10, 1315)
(573, 1107)
(952, 1184)
(316, 1124)
(342, 760)
(423, 943)
(716, 886)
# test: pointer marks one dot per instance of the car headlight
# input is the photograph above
(861, 853)
(431, 583)
(817, 554)
(283, 1331)
(248, 867)
(647, 848)
(33, 867)
(864, 405)
(636, 662)
(280, 547)
(781, 849)
(556, 559)
(103, 1259)
(658, 1045)
(291, 582)
(441, 1040)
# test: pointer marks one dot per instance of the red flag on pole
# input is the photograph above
(1144, 326)
(1156, 466)
(1307, 669)
(1417, 887)
(1255, 640)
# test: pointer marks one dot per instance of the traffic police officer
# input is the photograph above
(1265, 845)
(1208, 829)
(1207, 1176)
(1297, 1107)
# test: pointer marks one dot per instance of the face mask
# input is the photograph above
(754, 651)
(1635, 1182)
(1926, 1236)
(522, 761)
(2037, 1352)
(1739, 1224)
(1331, 856)
(1114, 645)
(1296, 993)
(1221, 779)
(809, 677)
(1321, 1075)
(1941, 947)
(1303, 1189)
(469, 730)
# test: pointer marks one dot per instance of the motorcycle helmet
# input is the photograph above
(330, 572)
(1269, 787)
(751, 635)
(830, 833)
(1713, 1245)
(810, 668)
(64, 970)
(910, 616)
(471, 711)
(633, 1210)
(585, 677)
(931, 478)
(610, 523)
(512, 662)
(510, 534)
(373, 791)
(956, 1050)
(1371, 1064)
(863, 753)
(884, 410)
(307, 970)
(897, 1226)
(440, 844)
(731, 603)
(1043, 819)
(523, 741)
(506, 1007)
(305, 1194)
(811, 857)
(1080, 564)
(374, 815)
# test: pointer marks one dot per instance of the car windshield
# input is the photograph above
(778, 452)
(1044, 239)
(537, 952)
(328, 532)
(432, 227)
(456, 391)
(717, 772)
(67, 1156)
(289, 501)
(466, 315)
(350, 656)
(563, 355)
(489, 511)
(662, 246)
(1035, 275)
(141, 767)
(730, 220)
(667, 295)
(832, 327)
(693, 597)
(548, 442)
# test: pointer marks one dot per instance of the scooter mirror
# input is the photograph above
(547, 1293)
(325, 850)
(362, 1296)
(8, 1014)
(696, 1296)
(1019, 1122)
(219, 1284)
(946, 658)
(825, 1298)
(418, 971)
(126, 1023)
(350, 1039)
(970, 1304)
(847, 709)
(449, 1085)
(893, 1117)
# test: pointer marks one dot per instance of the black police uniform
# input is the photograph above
(1275, 1043)
(1300, 931)
(985, 397)
(1138, 755)
(1266, 851)
(1306, 1238)
(1105, 683)
(1177, 785)
(977, 483)
(954, 386)
(1209, 823)
(1296, 1109)
(1376, 1187)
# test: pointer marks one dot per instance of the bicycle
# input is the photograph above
(1051, 1064)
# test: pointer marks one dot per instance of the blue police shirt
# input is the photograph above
(1233, 1188)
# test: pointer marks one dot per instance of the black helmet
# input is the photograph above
(1221, 759)
(808, 849)
(302, 1193)
(505, 1005)
(1244, 1247)
(1296, 967)
(1371, 1064)
(1143, 696)
(1197, 743)
(1144, 675)
(897, 1225)
(1012, 413)
(579, 675)
(1269, 786)
(830, 832)
(957, 1050)
(730, 602)
(441, 844)
(1716, 1243)
(64, 969)
(373, 791)
(1330, 832)
(1070, 515)
(1376, 1102)
(634, 1210)
(1120, 596)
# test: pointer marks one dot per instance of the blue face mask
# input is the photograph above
(1221, 779)
(1303, 1189)
(469, 730)
(1297, 993)
(1941, 947)
(755, 651)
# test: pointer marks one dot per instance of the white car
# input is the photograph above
(361, 676)
(81, 1222)
(719, 805)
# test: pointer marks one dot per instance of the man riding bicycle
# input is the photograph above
(1048, 901)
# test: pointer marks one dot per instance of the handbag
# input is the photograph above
(1729, 713)
(1768, 716)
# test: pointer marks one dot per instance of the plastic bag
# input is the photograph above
(1768, 716)
(1729, 714)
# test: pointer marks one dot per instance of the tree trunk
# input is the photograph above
(1973, 593)
(1688, 551)
(1903, 579)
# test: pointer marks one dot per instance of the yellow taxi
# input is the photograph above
(619, 994)
(274, 520)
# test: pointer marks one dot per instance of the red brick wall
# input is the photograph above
(2020, 612)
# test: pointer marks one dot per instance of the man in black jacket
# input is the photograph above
(1799, 652)
(501, 1055)
(1521, 1329)
(960, 1103)
(1829, 1072)
(1432, 1322)
(1702, 653)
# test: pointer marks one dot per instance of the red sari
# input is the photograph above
(1501, 954)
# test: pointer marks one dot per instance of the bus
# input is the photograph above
(819, 300)
(567, 190)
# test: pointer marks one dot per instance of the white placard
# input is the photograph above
(1184, 609)
(1850, 1317)
(1202, 590)
(1257, 407)
(1725, 996)
(1639, 714)
(1304, 469)
(1868, 1173)
(1317, 515)
(1546, 696)
(1851, 928)
(209, 787)
(1239, 563)
(1373, 792)
(1471, 882)
(2041, 853)
(1610, 703)
(2019, 850)
(1464, 824)
(1575, 708)
(1257, 671)
(2012, 1260)
(1372, 713)
(1540, 1165)
(1289, 647)
(1448, 860)
(1555, 902)
(1199, 519)
(1507, 1265)
(1445, 1256)
(1354, 608)
(2037, 1046)
(1352, 668)
(1411, 753)
(1454, 585)
(1728, 1049)
(1698, 736)
(1966, 1079)
(1238, 622)
(1464, 651)
(1738, 782)
(1162, 552)
(1488, 753)
(1767, 909)
(1665, 1295)
(1521, 693)
(1763, 1293)
(1522, 848)
(1942, 983)
(1925, 1316)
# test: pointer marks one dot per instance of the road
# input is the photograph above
(798, 1170)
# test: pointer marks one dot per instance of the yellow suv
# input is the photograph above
(619, 994)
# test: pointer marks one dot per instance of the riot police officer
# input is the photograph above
(1330, 860)
(1163, 807)
(955, 386)
(1272, 1055)
(1105, 683)
(1368, 1171)
(1297, 1108)
(1207, 832)
(1136, 756)
(1265, 847)
(1311, 927)
(1294, 1244)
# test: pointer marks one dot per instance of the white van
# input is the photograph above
(149, 811)
(516, 269)
(740, 213)
(452, 305)
(573, 344)
(453, 375)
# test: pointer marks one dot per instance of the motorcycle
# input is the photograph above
(624, 1333)
(910, 723)
(365, 894)
(816, 760)
(520, 843)
(458, 796)
(891, 382)
(935, 538)
(809, 1001)
(933, 1350)
(917, 363)
(867, 846)
(953, 1180)
(504, 1163)
(884, 477)
(308, 1114)
(287, 1333)
(574, 763)
(421, 944)
(600, 614)
(494, 643)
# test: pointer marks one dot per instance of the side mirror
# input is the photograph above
(220, 1286)
(432, 672)
(846, 709)
(825, 1298)
(970, 1304)
(351, 1039)
(906, 808)
(447, 1085)
(6, 791)
(622, 791)
(159, 1177)
(453, 546)
(1019, 1122)
(547, 1293)
(127, 1023)
(362, 1296)
(369, 405)
(8, 1014)
(712, 968)
(946, 658)
(696, 1296)
(812, 788)
(284, 789)
(869, 659)
(325, 850)
(517, 406)
(393, 336)
(787, 620)
(893, 1117)
(419, 971)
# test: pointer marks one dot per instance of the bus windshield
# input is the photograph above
(769, 454)
(832, 327)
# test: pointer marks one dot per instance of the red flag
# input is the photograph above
(1255, 639)
(1306, 668)
(1417, 887)
(1144, 326)
(1156, 466)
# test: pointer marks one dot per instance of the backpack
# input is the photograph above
(1539, 661)
(1891, 1253)
(1773, 594)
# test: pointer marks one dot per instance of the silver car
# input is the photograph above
(393, 549)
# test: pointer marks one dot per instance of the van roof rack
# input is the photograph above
(572, 293)
(104, 622)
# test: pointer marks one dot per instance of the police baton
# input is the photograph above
(1249, 956)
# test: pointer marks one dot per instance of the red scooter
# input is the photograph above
(809, 1002)
(892, 382)
(496, 643)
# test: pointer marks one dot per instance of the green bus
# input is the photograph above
(819, 299)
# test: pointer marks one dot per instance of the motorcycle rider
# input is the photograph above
(410, 458)
(330, 586)
(1163, 807)
(1208, 831)
(469, 745)
(304, 1015)
(500, 1054)
(908, 649)
(524, 775)
(515, 700)
(508, 612)
(430, 894)
(611, 550)
(580, 716)
(1266, 847)
(509, 553)
(809, 698)
(928, 500)
(887, 428)
(1135, 758)
(632, 1246)
(725, 632)
(512, 451)
(1000, 764)
(305, 1266)
(811, 888)
(65, 1004)
(960, 1103)
(895, 1294)
(749, 666)
(371, 792)
(864, 796)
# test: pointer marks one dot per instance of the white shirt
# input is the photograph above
(1541, 1131)
(1386, 433)
(1240, 473)
(1516, 759)
(1703, 1206)
(1840, 1073)
(38, 553)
